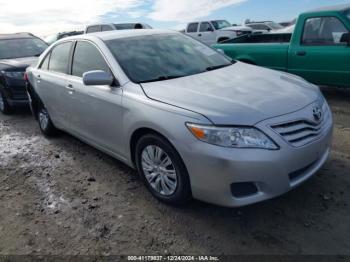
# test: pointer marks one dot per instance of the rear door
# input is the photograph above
(192, 30)
(96, 110)
(320, 57)
(206, 33)
(51, 83)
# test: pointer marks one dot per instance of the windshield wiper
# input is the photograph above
(161, 78)
(211, 68)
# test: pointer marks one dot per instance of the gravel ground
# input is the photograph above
(63, 197)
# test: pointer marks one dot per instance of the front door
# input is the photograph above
(207, 34)
(96, 112)
(321, 57)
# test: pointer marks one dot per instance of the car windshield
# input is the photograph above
(21, 47)
(220, 24)
(160, 57)
(274, 26)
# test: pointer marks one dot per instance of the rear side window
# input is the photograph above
(192, 28)
(323, 31)
(107, 28)
(205, 27)
(59, 59)
(87, 58)
(92, 29)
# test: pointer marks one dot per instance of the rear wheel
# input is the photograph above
(4, 105)
(162, 170)
(45, 123)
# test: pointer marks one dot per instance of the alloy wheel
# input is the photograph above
(43, 119)
(159, 170)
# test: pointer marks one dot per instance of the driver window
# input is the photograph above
(205, 27)
(323, 31)
(87, 58)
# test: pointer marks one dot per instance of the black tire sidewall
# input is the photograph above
(183, 190)
(7, 108)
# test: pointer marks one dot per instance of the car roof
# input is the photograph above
(16, 36)
(116, 34)
(334, 8)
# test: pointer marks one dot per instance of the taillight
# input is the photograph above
(25, 76)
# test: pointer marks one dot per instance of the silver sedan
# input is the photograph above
(191, 121)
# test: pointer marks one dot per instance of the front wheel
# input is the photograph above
(45, 123)
(162, 170)
(5, 108)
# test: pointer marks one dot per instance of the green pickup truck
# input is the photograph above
(318, 50)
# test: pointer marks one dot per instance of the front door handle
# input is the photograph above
(69, 86)
(301, 53)
(199, 34)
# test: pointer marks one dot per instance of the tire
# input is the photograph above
(5, 108)
(45, 124)
(161, 179)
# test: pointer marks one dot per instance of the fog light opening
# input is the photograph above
(244, 189)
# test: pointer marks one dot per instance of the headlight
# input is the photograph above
(16, 75)
(240, 137)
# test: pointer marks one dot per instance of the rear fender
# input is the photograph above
(35, 102)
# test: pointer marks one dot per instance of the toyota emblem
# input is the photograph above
(317, 113)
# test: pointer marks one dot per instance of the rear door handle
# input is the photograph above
(69, 86)
(301, 53)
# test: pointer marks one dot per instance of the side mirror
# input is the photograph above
(98, 78)
(345, 38)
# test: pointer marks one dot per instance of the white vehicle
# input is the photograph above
(110, 27)
(265, 26)
(212, 32)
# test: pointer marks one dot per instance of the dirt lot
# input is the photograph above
(61, 196)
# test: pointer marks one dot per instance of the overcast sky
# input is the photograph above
(43, 17)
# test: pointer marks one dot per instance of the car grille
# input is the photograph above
(303, 131)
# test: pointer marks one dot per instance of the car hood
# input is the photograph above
(240, 94)
(18, 63)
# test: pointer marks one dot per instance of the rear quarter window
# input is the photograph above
(93, 29)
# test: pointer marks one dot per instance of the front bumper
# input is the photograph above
(214, 170)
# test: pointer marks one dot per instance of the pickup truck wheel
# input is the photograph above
(162, 170)
(5, 108)
(45, 123)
